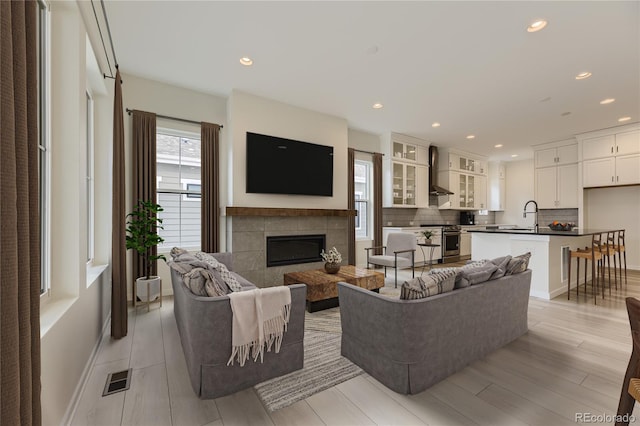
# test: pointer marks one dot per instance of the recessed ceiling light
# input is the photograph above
(471, 137)
(536, 25)
(246, 61)
(377, 106)
(583, 75)
(621, 119)
(436, 124)
(498, 146)
(514, 155)
(607, 101)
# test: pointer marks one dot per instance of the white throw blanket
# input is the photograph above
(260, 318)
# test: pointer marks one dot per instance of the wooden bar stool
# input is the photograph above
(594, 254)
(608, 249)
(620, 249)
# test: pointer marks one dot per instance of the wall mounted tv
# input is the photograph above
(284, 166)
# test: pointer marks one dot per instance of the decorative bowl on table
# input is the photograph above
(557, 226)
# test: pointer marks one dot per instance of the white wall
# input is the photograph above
(73, 316)
(519, 190)
(249, 113)
(152, 96)
(616, 208)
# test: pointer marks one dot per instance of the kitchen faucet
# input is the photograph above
(535, 227)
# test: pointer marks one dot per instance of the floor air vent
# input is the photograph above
(117, 382)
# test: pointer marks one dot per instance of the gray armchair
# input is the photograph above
(399, 252)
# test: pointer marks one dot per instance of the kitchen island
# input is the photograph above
(549, 253)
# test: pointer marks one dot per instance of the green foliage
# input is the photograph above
(142, 235)
(427, 234)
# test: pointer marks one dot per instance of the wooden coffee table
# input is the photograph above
(322, 288)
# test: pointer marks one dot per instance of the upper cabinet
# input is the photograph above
(465, 175)
(405, 171)
(556, 175)
(555, 156)
(462, 162)
(611, 159)
(410, 153)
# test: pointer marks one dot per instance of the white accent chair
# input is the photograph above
(403, 246)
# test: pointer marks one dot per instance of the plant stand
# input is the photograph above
(148, 291)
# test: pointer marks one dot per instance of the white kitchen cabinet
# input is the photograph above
(611, 145)
(611, 160)
(409, 152)
(480, 201)
(465, 245)
(611, 171)
(557, 187)
(408, 183)
(469, 191)
(557, 155)
(497, 188)
(462, 162)
(556, 175)
(405, 171)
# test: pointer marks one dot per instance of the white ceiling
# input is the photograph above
(470, 66)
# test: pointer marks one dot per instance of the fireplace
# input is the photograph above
(294, 249)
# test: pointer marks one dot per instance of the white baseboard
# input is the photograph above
(82, 383)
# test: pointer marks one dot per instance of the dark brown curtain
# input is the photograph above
(377, 200)
(351, 204)
(210, 187)
(118, 224)
(19, 216)
(143, 160)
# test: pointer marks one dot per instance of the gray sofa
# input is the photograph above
(409, 345)
(204, 324)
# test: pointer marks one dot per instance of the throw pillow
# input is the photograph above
(477, 274)
(177, 251)
(413, 289)
(514, 266)
(446, 278)
(229, 279)
(501, 263)
(520, 263)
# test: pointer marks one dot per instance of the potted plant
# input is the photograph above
(427, 236)
(142, 226)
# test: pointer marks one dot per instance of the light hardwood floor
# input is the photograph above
(572, 360)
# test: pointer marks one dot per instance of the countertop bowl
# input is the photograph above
(562, 226)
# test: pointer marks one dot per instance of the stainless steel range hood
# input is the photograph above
(434, 188)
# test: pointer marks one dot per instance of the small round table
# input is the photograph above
(432, 247)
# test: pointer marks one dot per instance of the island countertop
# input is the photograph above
(544, 231)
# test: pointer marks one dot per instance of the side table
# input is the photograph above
(432, 247)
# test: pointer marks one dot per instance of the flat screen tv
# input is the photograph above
(284, 166)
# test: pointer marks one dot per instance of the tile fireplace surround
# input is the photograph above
(248, 237)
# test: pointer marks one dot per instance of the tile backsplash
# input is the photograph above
(432, 215)
(545, 217)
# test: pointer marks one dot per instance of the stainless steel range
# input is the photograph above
(450, 243)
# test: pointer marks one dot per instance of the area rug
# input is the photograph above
(323, 365)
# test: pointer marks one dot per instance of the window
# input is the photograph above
(362, 178)
(43, 141)
(179, 188)
(90, 197)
